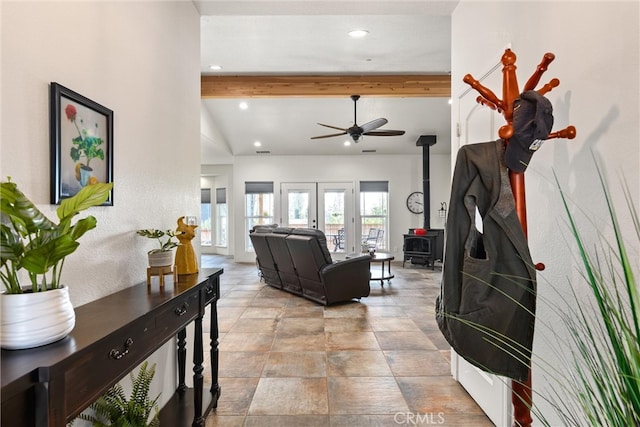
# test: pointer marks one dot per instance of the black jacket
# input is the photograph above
(486, 307)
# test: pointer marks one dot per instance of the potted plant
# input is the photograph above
(163, 255)
(114, 409)
(36, 247)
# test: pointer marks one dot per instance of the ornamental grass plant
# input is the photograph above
(594, 332)
(598, 380)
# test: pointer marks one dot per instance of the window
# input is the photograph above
(205, 217)
(259, 206)
(222, 220)
(374, 212)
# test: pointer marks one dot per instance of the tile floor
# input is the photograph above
(286, 361)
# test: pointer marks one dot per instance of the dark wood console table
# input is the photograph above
(52, 384)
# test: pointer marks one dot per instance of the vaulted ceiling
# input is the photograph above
(294, 65)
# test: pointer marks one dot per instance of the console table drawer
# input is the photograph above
(210, 290)
(105, 362)
(178, 314)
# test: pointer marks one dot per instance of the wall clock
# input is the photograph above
(415, 202)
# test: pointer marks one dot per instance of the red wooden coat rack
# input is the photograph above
(521, 392)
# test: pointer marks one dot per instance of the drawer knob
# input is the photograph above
(117, 354)
(182, 310)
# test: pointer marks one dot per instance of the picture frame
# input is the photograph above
(81, 136)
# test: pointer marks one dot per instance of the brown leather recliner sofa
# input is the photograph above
(298, 260)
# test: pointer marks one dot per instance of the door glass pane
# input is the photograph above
(334, 204)
(298, 215)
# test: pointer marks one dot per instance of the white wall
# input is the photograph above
(404, 173)
(598, 68)
(140, 59)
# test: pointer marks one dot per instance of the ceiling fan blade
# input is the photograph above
(385, 133)
(329, 136)
(373, 124)
(332, 127)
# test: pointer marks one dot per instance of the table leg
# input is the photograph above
(198, 379)
(182, 359)
(214, 353)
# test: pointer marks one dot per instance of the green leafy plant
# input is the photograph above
(114, 409)
(31, 242)
(166, 245)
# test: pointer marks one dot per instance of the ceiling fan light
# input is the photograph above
(358, 34)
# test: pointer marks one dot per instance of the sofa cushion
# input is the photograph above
(284, 264)
(319, 235)
(282, 230)
(263, 228)
(265, 259)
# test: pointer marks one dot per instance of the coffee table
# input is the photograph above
(379, 258)
(382, 275)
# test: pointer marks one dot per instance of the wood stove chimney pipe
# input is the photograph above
(426, 141)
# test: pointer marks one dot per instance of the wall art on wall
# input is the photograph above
(81, 132)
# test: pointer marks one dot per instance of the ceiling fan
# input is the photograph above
(355, 131)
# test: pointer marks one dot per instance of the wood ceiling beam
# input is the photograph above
(325, 86)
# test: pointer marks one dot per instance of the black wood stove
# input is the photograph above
(424, 249)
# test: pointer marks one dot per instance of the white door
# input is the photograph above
(477, 123)
(299, 207)
(327, 206)
(337, 215)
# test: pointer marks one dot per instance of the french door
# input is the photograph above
(327, 206)
(477, 123)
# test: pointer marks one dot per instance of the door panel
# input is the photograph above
(336, 218)
(299, 205)
(328, 206)
(477, 123)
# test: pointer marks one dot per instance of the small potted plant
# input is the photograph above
(163, 255)
(35, 247)
(114, 409)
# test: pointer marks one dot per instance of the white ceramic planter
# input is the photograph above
(161, 259)
(34, 319)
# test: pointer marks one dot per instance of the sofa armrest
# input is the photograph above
(347, 279)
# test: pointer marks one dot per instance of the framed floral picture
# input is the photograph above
(81, 132)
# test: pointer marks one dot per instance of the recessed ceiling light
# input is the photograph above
(215, 67)
(347, 143)
(243, 105)
(257, 144)
(450, 101)
(357, 34)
